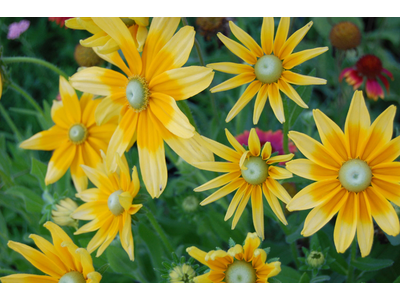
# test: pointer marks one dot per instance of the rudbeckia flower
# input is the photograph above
(267, 67)
(75, 137)
(145, 98)
(62, 261)
(109, 206)
(355, 176)
(239, 264)
(250, 172)
(100, 38)
(368, 67)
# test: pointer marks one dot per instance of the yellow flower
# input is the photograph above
(62, 261)
(62, 214)
(267, 72)
(109, 206)
(182, 274)
(354, 173)
(100, 38)
(146, 97)
(249, 172)
(75, 137)
(245, 264)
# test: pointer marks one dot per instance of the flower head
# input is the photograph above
(60, 21)
(209, 26)
(239, 264)
(182, 274)
(75, 137)
(86, 57)
(368, 67)
(17, 28)
(145, 98)
(267, 67)
(345, 35)
(62, 261)
(62, 214)
(355, 176)
(109, 206)
(106, 43)
(250, 172)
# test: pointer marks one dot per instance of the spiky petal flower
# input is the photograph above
(145, 98)
(109, 206)
(355, 175)
(267, 67)
(250, 172)
(239, 264)
(75, 137)
(100, 38)
(62, 261)
(369, 68)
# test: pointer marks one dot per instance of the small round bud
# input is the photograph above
(86, 57)
(315, 259)
(190, 204)
(345, 36)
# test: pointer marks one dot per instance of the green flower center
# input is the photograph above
(77, 133)
(72, 277)
(257, 170)
(240, 271)
(268, 68)
(355, 175)
(137, 93)
(113, 203)
(190, 204)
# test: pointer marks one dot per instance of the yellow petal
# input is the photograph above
(222, 192)
(289, 91)
(389, 190)
(278, 190)
(115, 59)
(237, 49)
(197, 254)
(275, 100)
(217, 166)
(235, 201)
(299, 79)
(258, 210)
(388, 153)
(307, 169)
(346, 223)
(28, 278)
(127, 237)
(298, 58)
(260, 103)
(281, 35)
(387, 171)
(279, 173)
(110, 108)
(78, 176)
(280, 158)
(242, 205)
(46, 140)
(266, 151)
(251, 243)
(293, 41)
(232, 140)
(254, 143)
(365, 227)
(246, 39)
(59, 116)
(231, 68)
(99, 179)
(219, 181)
(222, 150)
(234, 82)
(274, 203)
(60, 162)
(267, 35)
(70, 101)
(248, 94)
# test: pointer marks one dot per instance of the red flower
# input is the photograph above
(59, 20)
(370, 67)
(275, 138)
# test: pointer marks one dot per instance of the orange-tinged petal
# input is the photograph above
(60, 162)
(46, 140)
(389, 171)
(251, 243)
(322, 214)
(151, 155)
(125, 234)
(289, 91)
(299, 79)
(267, 35)
(258, 210)
(70, 101)
(222, 192)
(28, 278)
(59, 116)
(166, 110)
(110, 107)
(102, 133)
(260, 103)
(298, 58)
(315, 194)
(274, 203)
(78, 176)
(182, 83)
(389, 190)
(118, 31)
(88, 107)
(248, 94)
(365, 227)
(231, 68)
(237, 49)
(246, 39)
(91, 157)
(197, 254)
(383, 212)
(234, 82)
(346, 223)
(387, 153)
(307, 169)
(314, 150)
(275, 100)
(293, 41)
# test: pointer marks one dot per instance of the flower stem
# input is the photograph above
(33, 60)
(286, 126)
(10, 123)
(32, 101)
(350, 270)
(159, 230)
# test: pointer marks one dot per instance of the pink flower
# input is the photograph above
(275, 138)
(368, 67)
(16, 29)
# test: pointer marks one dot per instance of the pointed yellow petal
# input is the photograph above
(242, 205)
(78, 176)
(111, 107)
(274, 203)
(387, 171)
(28, 278)
(231, 68)
(251, 243)
(293, 41)
(126, 237)
(217, 182)
(307, 169)
(246, 39)
(222, 192)
(60, 162)
(222, 150)
(217, 166)
(267, 35)
(389, 190)
(289, 91)
(275, 100)
(59, 116)
(197, 254)
(115, 59)
(235, 201)
(281, 35)
(299, 79)
(346, 223)
(266, 151)
(260, 103)
(387, 153)
(258, 211)
(279, 173)
(237, 49)
(278, 190)
(46, 140)
(70, 101)
(232, 140)
(280, 158)
(254, 143)
(365, 227)
(99, 179)
(298, 58)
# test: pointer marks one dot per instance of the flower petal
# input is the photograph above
(222, 192)
(218, 181)
(125, 234)
(258, 210)
(387, 171)
(60, 162)
(365, 227)
(274, 203)
(278, 190)
(299, 79)
(260, 103)
(289, 91)
(293, 41)
(234, 82)
(242, 205)
(235, 144)
(281, 35)
(237, 49)
(28, 278)
(307, 169)
(231, 68)
(279, 173)
(346, 223)
(246, 39)
(70, 101)
(275, 100)
(235, 201)
(298, 58)
(389, 190)
(78, 176)
(46, 140)
(267, 35)
(222, 151)
(254, 143)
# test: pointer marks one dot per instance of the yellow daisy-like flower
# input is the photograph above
(75, 137)
(267, 67)
(355, 175)
(62, 260)
(105, 43)
(109, 206)
(250, 172)
(145, 98)
(239, 264)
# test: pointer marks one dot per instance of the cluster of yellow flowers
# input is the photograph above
(354, 171)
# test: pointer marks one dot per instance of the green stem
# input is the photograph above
(350, 270)
(8, 271)
(159, 230)
(286, 126)
(28, 97)
(10, 123)
(38, 61)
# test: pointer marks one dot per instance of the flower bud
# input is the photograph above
(62, 214)
(86, 57)
(345, 36)
(182, 274)
(315, 259)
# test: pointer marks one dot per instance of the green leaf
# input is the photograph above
(304, 278)
(119, 260)
(339, 265)
(39, 170)
(394, 240)
(397, 280)
(288, 275)
(231, 243)
(371, 264)
(33, 202)
(320, 278)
